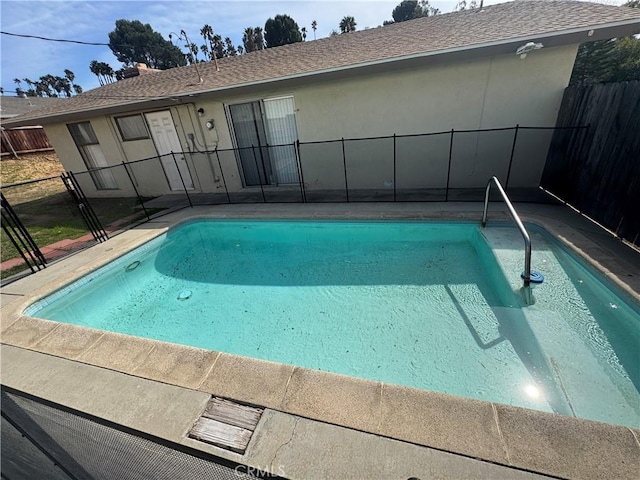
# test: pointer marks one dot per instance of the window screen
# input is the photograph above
(132, 127)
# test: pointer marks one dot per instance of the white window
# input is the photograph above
(89, 148)
(132, 127)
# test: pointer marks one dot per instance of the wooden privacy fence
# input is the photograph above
(597, 170)
(24, 140)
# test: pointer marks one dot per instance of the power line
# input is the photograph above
(56, 39)
(79, 42)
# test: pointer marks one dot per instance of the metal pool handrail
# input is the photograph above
(516, 218)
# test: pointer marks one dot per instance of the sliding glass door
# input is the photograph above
(265, 132)
(281, 131)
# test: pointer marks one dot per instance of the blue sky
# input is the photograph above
(91, 21)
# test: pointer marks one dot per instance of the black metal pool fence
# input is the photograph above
(451, 165)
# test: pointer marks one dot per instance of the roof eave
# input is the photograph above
(554, 39)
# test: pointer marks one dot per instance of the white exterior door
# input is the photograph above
(166, 140)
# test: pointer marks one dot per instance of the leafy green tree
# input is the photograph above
(604, 61)
(627, 53)
(347, 24)
(134, 42)
(281, 30)
(410, 9)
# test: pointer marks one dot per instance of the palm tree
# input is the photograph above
(303, 30)
(347, 24)
(218, 46)
(207, 33)
(231, 50)
(94, 67)
(314, 27)
(107, 72)
(30, 91)
(248, 39)
(205, 51)
(258, 38)
(69, 75)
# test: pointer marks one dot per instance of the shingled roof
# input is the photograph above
(552, 22)
(14, 106)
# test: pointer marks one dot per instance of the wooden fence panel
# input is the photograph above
(597, 170)
(24, 140)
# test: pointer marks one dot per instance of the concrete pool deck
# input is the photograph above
(317, 424)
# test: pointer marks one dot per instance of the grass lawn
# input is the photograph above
(56, 217)
(47, 210)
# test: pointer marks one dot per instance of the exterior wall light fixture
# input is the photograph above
(210, 124)
(528, 47)
(200, 111)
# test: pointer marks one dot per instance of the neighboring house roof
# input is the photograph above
(13, 106)
(492, 30)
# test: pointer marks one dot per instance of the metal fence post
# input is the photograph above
(513, 149)
(224, 182)
(344, 164)
(446, 195)
(102, 233)
(296, 148)
(135, 190)
(182, 179)
(394, 167)
(5, 221)
(26, 236)
(75, 196)
(255, 159)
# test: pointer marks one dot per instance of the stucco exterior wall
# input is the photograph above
(494, 92)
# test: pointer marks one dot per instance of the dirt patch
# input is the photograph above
(32, 166)
(29, 166)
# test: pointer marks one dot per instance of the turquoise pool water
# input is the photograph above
(434, 306)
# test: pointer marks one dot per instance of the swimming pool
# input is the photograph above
(420, 304)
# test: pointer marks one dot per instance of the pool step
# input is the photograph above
(226, 424)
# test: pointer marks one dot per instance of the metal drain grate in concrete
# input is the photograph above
(226, 424)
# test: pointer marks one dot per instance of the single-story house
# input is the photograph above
(485, 68)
